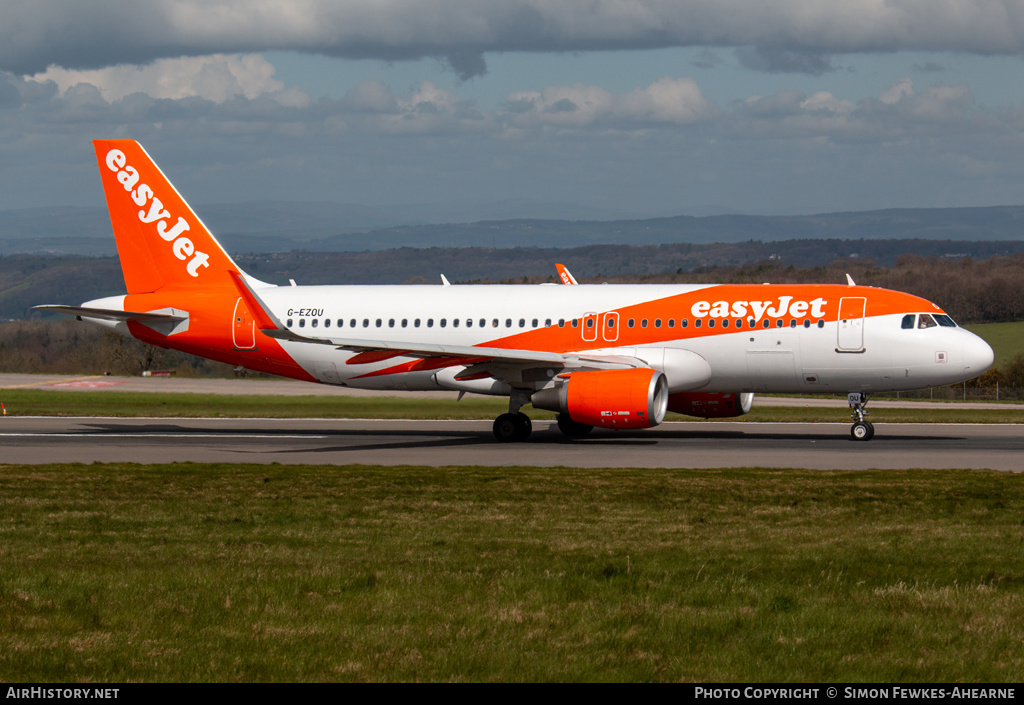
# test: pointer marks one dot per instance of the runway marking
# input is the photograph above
(91, 434)
(56, 383)
(85, 384)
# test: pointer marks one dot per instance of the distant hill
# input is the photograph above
(28, 280)
(278, 226)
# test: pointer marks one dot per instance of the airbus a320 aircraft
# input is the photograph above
(610, 356)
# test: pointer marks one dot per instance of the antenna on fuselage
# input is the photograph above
(444, 281)
(849, 280)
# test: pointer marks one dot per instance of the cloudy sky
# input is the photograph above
(622, 106)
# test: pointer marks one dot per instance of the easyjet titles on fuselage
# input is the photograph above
(782, 306)
(181, 246)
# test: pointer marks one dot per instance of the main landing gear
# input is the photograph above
(861, 430)
(509, 428)
(515, 426)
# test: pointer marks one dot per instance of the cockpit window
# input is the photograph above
(908, 321)
(945, 321)
(926, 321)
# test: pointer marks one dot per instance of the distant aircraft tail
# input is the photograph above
(160, 240)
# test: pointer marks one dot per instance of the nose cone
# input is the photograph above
(978, 355)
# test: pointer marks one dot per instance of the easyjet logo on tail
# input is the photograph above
(181, 246)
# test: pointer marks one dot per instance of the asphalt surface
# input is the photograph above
(698, 444)
(288, 387)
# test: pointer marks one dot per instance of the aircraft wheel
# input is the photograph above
(524, 427)
(572, 429)
(862, 431)
(511, 428)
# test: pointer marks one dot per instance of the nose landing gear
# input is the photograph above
(861, 430)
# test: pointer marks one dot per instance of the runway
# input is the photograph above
(698, 444)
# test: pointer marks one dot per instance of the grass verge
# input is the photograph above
(36, 402)
(239, 573)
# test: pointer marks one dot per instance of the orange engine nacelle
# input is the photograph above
(636, 398)
(711, 405)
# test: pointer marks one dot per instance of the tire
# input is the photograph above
(524, 427)
(505, 428)
(862, 431)
(512, 428)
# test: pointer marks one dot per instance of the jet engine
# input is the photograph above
(711, 405)
(634, 398)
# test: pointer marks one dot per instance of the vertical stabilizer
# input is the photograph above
(160, 240)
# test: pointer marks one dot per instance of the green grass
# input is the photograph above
(1006, 339)
(236, 573)
(36, 402)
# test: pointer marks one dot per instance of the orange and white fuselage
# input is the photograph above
(687, 343)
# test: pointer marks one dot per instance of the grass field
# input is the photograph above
(1006, 339)
(235, 573)
(36, 402)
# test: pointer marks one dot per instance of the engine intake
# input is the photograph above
(635, 398)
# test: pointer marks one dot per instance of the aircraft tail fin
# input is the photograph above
(160, 240)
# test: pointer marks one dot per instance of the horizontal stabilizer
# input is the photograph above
(112, 315)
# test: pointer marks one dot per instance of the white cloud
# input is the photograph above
(676, 101)
(217, 78)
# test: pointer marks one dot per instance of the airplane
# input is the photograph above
(599, 355)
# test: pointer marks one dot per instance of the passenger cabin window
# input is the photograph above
(315, 321)
(926, 321)
(908, 321)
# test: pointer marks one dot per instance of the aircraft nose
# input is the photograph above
(978, 355)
